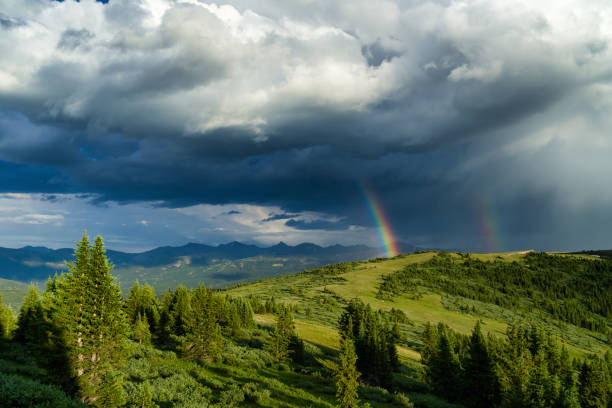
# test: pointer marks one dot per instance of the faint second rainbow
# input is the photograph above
(488, 224)
(382, 222)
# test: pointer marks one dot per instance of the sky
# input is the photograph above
(481, 125)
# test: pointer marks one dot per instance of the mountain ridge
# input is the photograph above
(36, 263)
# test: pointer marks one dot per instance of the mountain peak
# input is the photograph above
(233, 244)
(36, 248)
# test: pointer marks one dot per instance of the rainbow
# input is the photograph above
(382, 222)
(488, 224)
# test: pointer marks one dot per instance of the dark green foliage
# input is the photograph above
(141, 301)
(178, 311)
(282, 336)
(595, 386)
(141, 332)
(481, 388)
(237, 356)
(347, 375)
(7, 320)
(145, 399)
(202, 330)
(111, 392)
(254, 393)
(214, 355)
(235, 314)
(31, 325)
(572, 290)
(297, 351)
(88, 310)
(528, 370)
(17, 391)
(231, 397)
(374, 343)
(444, 367)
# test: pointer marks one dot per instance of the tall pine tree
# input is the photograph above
(374, 343)
(93, 326)
(445, 369)
(347, 375)
(142, 300)
(481, 386)
(7, 321)
(31, 325)
(203, 331)
(283, 332)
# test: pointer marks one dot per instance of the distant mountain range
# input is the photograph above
(199, 261)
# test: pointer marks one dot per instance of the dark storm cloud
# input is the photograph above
(232, 212)
(276, 217)
(23, 178)
(457, 116)
(315, 225)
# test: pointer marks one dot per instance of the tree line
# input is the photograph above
(527, 369)
(80, 326)
(570, 289)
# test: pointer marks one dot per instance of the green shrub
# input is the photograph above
(376, 394)
(237, 356)
(431, 401)
(254, 393)
(31, 371)
(180, 390)
(16, 391)
(231, 397)
(402, 400)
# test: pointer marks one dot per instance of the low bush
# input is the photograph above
(16, 391)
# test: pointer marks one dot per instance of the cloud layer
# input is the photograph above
(480, 124)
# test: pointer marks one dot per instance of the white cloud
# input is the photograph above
(523, 87)
(188, 66)
(33, 219)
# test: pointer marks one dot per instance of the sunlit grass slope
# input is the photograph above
(12, 292)
(326, 296)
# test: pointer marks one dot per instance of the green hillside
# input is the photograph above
(218, 274)
(326, 291)
(12, 292)
(414, 322)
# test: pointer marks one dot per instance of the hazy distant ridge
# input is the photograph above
(38, 263)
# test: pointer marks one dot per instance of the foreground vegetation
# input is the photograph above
(424, 330)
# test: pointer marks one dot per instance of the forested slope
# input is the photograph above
(427, 330)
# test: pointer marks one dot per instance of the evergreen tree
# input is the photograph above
(88, 310)
(111, 394)
(515, 381)
(284, 330)
(142, 334)
(430, 348)
(481, 386)
(164, 328)
(7, 321)
(142, 300)
(593, 389)
(445, 369)
(347, 375)
(296, 349)
(374, 343)
(538, 383)
(31, 325)
(203, 331)
(180, 312)
(566, 371)
(145, 399)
